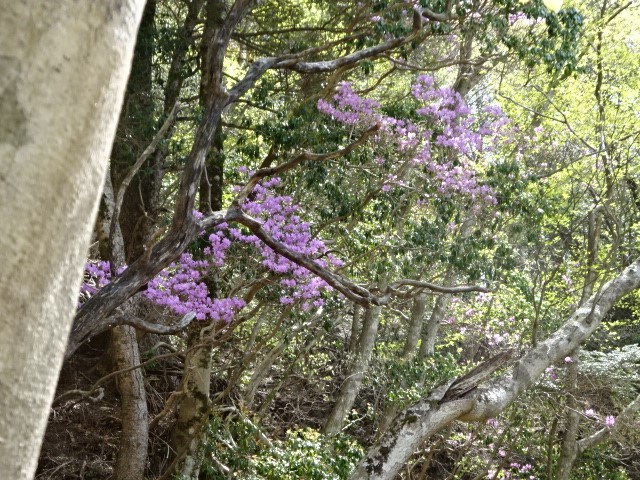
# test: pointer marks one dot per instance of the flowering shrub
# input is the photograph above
(448, 126)
(181, 288)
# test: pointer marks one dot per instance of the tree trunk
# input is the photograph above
(408, 353)
(428, 344)
(360, 363)
(63, 71)
(136, 129)
(193, 406)
(430, 333)
(415, 326)
(356, 325)
(134, 438)
(569, 448)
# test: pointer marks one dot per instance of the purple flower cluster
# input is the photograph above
(181, 288)
(96, 275)
(280, 219)
(448, 125)
(349, 107)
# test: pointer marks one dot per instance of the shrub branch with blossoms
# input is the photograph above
(275, 229)
(448, 126)
(181, 288)
(450, 143)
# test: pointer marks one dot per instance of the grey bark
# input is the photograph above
(430, 333)
(193, 404)
(408, 353)
(355, 374)
(356, 325)
(569, 448)
(63, 71)
(134, 438)
(428, 343)
(415, 326)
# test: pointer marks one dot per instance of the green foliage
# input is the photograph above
(303, 453)
(598, 463)
(405, 381)
(307, 454)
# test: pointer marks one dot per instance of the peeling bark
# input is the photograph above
(415, 326)
(193, 404)
(428, 344)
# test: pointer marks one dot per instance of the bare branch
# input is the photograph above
(330, 65)
(438, 288)
(438, 17)
(149, 327)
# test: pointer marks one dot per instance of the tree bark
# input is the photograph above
(569, 447)
(428, 343)
(408, 353)
(136, 129)
(415, 326)
(134, 438)
(193, 406)
(125, 354)
(356, 325)
(360, 364)
(63, 71)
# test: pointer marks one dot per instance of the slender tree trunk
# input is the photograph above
(569, 449)
(415, 326)
(408, 353)
(428, 344)
(63, 71)
(355, 374)
(136, 129)
(134, 438)
(356, 326)
(193, 404)
(430, 333)
(262, 370)
(193, 407)
(135, 132)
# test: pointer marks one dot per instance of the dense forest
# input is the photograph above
(377, 239)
